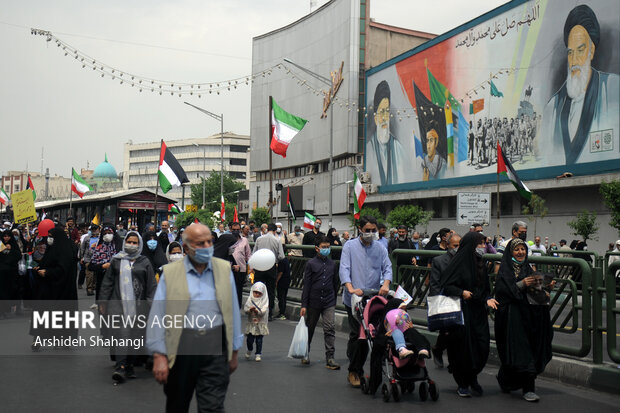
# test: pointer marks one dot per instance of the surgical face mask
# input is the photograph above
(176, 257)
(90, 233)
(453, 251)
(523, 236)
(16, 237)
(325, 251)
(369, 237)
(152, 244)
(517, 261)
(50, 241)
(203, 255)
(438, 240)
(317, 226)
(297, 233)
(108, 238)
(131, 248)
(279, 230)
(480, 251)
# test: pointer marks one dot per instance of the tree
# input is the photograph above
(409, 215)
(373, 212)
(261, 216)
(611, 197)
(212, 191)
(585, 225)
(536, 209)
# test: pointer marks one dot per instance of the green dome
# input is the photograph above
(105, 170)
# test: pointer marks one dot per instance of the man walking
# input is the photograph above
(364, 264)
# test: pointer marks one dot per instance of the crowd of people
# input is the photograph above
(129, 273)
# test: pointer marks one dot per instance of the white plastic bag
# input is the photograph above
(21, 266)
(299, 346)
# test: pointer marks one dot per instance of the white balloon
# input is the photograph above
(262, 260)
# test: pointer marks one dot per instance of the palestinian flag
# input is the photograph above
(223, 210)
(170, 171)
(504, 167)
(360, 196)
(78, 184)
(4, 197)
(30, 186)
(289, 204)
(309, 221)
(173, 209)
(284, 127)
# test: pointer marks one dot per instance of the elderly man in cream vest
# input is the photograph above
(194, 327)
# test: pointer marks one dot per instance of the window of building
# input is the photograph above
(237, 161)
(16, 188)
(238, 175)
(238, 148)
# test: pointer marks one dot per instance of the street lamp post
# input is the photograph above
(219, 118)
(204, 172)
(328, 82)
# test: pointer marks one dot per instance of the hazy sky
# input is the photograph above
(49, 101)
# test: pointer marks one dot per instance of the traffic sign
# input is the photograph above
(473, 207)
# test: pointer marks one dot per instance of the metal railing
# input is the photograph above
(612, 281)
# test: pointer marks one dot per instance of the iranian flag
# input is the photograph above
(170, 171)
(504, 167)
(309, 221)
(284, 127)
(4, 197)
(78, 184)
(29, 185)
(223, 210)
(360, 196)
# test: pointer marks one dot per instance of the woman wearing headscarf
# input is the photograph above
(9, 259)
(102, 255)
(154, 251)
(127, 289)
(523, 329)
(174, 252)
(334, 240)
(468, 345)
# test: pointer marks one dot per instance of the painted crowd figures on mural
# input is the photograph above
(578, 114)
(546, 90)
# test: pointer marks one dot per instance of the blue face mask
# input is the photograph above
(203, 255)
(517, 261)
(325, 251)
(152, 244)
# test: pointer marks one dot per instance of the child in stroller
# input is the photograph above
(398, 350)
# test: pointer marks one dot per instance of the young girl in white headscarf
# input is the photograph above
(257, 309)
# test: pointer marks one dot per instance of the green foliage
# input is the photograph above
(205, 216)
(373, 212)
(261, 216)
(212, 191)
(409, 215)
(536, 209)
(585, 225)
(611, 196)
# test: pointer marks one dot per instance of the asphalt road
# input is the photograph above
(48, 382)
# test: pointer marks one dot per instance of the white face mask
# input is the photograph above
(279, 230)
(176, 257)
(50, 241)
(108, 238)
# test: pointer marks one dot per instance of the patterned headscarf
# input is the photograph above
(516, 266)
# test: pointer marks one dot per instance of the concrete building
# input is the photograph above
(198, 157)
(343, 38)
(47, 187)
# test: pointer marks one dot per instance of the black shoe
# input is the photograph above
(476, 389)
(119, 375)
(129, 372)
(437, 357)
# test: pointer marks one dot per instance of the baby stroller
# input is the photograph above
(395, 376)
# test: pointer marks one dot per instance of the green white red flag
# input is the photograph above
(223, 210)
(504, 167)
(4, 197)
(284, 126)
(360, 196)
(309, 221)
(78, 184)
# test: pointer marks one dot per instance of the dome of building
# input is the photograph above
(105, 170)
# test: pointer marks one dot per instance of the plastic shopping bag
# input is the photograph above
(444, 312)
(299, 346)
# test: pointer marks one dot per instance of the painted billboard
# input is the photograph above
(539, 78)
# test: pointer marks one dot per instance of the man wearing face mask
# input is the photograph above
(310, 237)
(403, 242)
(296, 238)
(280, 234)
(438, 266)
(441, 245)
(269, 277)
(364, 264)
(196, 359)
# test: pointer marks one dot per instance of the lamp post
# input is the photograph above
(219, 118)
(204, 172)
(328, 82)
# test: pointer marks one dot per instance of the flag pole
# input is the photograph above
(498, 204)
(71, 197)
(157, 185)
(270, 203)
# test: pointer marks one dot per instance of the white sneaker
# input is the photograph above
(248, 354)
(258, 358)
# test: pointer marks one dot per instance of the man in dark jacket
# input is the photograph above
(403, 242)
(310, 237)
(318, 298)
(438, 266)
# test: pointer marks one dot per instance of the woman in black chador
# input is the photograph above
(468, 346)
(523, 330)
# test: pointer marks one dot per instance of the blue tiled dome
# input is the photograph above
(105, 170)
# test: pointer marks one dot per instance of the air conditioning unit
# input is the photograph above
(370, 188)
(365, 177)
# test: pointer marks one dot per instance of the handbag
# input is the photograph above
(444, 312)
(299, 345)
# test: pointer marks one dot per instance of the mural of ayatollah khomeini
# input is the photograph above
(587, 102)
